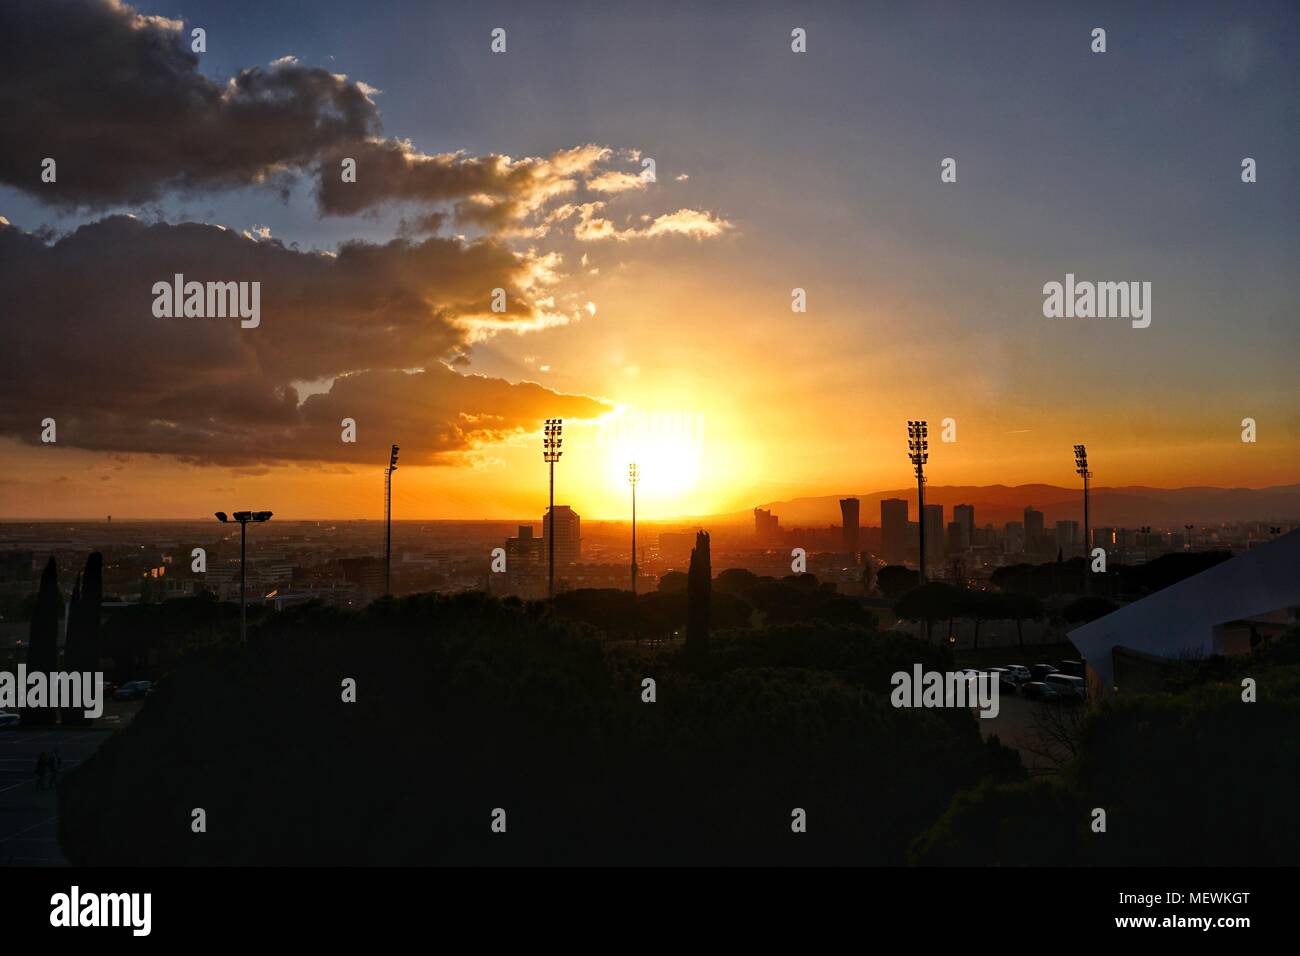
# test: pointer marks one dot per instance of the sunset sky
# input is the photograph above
(654, 317)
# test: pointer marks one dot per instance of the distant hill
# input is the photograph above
(997, 504)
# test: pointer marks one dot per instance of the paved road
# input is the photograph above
(28, 832)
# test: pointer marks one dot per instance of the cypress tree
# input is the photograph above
(81, 653)
(699, 594)
(43, 642)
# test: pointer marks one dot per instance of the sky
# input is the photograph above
(654, 317)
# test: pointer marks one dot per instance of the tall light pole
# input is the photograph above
(1081, 469)
(633, 476)
(918, 445)
(388, 521)
(1146, 542)
(1188, 529)
(551, 442)
(243, 517)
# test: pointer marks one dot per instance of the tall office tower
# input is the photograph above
(766, 526)
(955, 534)
(964, 515)
(934, 531)
(1013, 537)
(849, 514)
(1033, 530)
(568, 535)
(1067, 534)
(893, 529)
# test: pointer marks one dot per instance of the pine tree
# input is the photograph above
(43, 643)
(699, 588)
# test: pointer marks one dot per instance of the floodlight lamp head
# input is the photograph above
(262, 516)
(243, 516)
(222, 517)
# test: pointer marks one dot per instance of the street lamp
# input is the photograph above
(633, 476)
(918, 446)
(243, 517)
(1081, 469)
(388, 521)
(551, 442)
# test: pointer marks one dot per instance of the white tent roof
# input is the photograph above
(1180, 620)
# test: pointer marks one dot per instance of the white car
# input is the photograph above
(8, 720)
(1019, 673)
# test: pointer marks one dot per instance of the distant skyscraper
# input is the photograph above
(766, 526)
(893, 529)
(964, 515)
(1014, 537)
(956, 532)
(568, 535)
(1034, 542)
(1067, 534)
(934, 530)
(849, 514)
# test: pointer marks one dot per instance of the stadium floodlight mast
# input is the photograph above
(633, 476)
(1188, 529)
(918, 450)
(1081, 469)
(243, 517)
(551, 442)
(388, 520)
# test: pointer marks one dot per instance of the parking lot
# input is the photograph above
(28, 832)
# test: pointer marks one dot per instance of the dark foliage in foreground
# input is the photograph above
(1194, 777)
(467, 704)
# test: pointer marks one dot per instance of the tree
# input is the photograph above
(81, 650)
(699, 590)
(932, 601)
(43, 642)
(894, 580)
(1020, 607)
(672, 581)
(979, 606)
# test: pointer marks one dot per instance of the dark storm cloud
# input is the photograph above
(116, 99)
(83, 346)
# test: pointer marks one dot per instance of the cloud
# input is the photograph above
(616, 181)
(83, 345)
(117, 100)
(697, 224)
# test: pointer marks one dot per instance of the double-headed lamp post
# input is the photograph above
(243, 517)
(918, 446)
(633, 476)
(388, 521)
(1081, 469)
(551, 442)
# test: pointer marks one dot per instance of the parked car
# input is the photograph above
(1037, 690)
(133, 690)
(1067, 686)
(1039, 671)
(1006, 683)
(1019, 672)
(1073, 668)
(8, 720)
